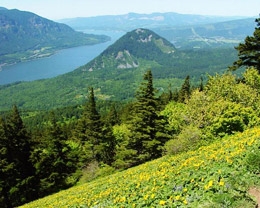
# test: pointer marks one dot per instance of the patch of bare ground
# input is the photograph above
(255, 192)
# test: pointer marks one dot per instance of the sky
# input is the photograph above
(59, 9)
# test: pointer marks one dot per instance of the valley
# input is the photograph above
(202, 33)
(164, 113)
(61, 62)
(108, 79)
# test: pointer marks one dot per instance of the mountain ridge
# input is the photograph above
(221, 34)
(184, 30)
(132, 20)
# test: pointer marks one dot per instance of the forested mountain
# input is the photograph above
(135, 45)
(25, 35)
(117, 71)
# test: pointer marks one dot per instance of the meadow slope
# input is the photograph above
(217, 175)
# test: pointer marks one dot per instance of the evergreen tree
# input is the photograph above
(113, 117)
(166, 97)
(201, 87)
(144, 143)
(18, 183)
(249, 51)
(108, 144)
(6, 167)
(93, 128)
(54, 160)
(92, 133)
(185, 90)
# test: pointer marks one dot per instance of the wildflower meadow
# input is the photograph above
(217, 175)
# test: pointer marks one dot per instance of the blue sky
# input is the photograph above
(58, 9)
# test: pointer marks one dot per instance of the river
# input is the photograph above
(60, 63)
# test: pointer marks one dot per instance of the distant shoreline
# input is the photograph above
(2, 65)
(35, 56)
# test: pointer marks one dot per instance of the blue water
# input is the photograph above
(60, 63)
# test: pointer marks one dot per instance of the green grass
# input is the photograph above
(212, 176)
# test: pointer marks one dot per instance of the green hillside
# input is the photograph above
(217, 175)
(25, 36)
(116, 72)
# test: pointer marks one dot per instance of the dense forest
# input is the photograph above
(55, 152)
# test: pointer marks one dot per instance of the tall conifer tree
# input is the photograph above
(89, 132)
(17, 172)
(93, 131)
(144, 140)
(54, 160)
(185, 90)
(6, 166)
(249, 51)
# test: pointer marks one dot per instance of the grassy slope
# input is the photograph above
(213, 176)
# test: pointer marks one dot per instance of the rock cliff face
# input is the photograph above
(126, 60)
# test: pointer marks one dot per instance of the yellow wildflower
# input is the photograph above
(221, 182)
(152, 196)
(185, 201)
(210, 183)
(146, 197)
(177, 197)
(162, 202)
(123, 199)
(206, 187)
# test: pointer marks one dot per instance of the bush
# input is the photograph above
(188, 139)
(253, 162)
(176, 116)
(95, 170)
(227, 117)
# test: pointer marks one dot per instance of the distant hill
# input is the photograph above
(221, 34)
(3, 8)
(144, 48)
(25, 35)
(132, 21)
(129, 49)
(117, 72)
(184, 30)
